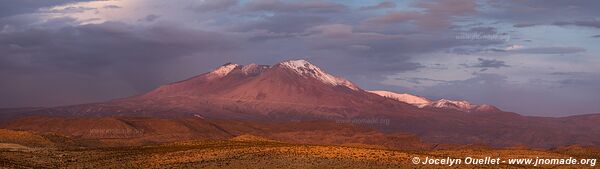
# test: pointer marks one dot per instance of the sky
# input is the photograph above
(533, 57)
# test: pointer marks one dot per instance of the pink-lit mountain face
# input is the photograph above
(287, 90)
(422, 102)
(300, 91)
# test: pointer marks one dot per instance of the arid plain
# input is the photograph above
(28, 150)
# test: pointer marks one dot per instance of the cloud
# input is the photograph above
(381, 5)
(118, 53)
(523, 25)
(569, 73)
(90, 47)
(514, 47)
(359, 47)
(304, 6)
(134, 46)
(596, 36)
(549, 50)
(112, 7)
(333, 30)
(420, 80)
(574, 97)
(539, 50)
(435, 15)
(394, 17)
(593, 24)
(540, 11)
(340, 36)
(150, 18)
(15, 7)
(488, 63)
(282, 23)
(70, 9)
(581, 23)
(484, 30)
(215, 5)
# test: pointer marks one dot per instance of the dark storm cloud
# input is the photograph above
(365, 71)
(334, 37)
(301, 6)
(365, 42)
(89, 47)
(119, 53)
(381, 45)
(381, 5)
(15, 7)
(343, 37)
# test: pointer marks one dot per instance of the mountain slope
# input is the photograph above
(404, 97)
(294, 91)
(288, 90)
(422, 102)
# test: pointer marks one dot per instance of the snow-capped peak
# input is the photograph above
(223, 70)
(453, 104)
(486, 108)
(253, 69)
(403, 97)
(305, 68)
(422, 102)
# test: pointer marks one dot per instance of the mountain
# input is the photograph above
(404, 97)
(422, 102)
(282, 101)
(293, 89)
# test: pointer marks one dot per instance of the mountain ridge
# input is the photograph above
(423, 102)
(304, 92)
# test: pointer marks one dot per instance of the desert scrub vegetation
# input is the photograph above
(252, 152)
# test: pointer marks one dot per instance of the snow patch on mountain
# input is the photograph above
(403, 97)
(305, 68)
(222, 71)
(452, 104)
(253, 69)
(422, 102)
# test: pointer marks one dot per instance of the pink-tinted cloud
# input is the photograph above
(304, 6)
(381, 5)
(435, 15)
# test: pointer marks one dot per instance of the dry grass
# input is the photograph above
(248, 153)
(24, 138)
